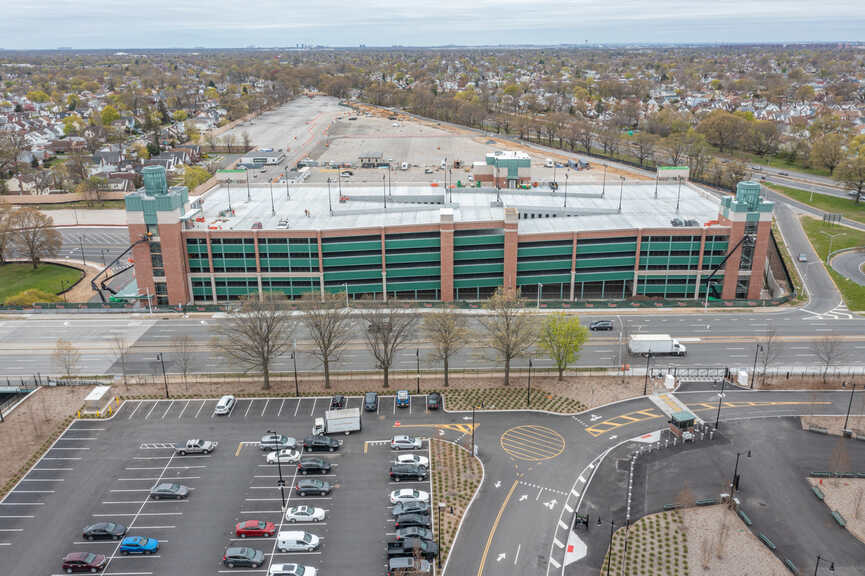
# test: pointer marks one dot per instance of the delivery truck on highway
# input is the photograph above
(655, 344)
(346, 421)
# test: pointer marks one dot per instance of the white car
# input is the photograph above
(291, 570)
(403, 442)
(408, 495)
(304, 514)
(225, 404)
(412, 459)
(285, 456)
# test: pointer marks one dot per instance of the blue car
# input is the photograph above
(139, 545)
(402, 399)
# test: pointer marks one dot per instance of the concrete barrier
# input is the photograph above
(790, 566)
(839, 519)
(745, 518)
(818, 493)
(765, 539)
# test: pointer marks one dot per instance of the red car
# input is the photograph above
(83, 562)
(255, 528)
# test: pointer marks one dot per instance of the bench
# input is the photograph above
(769, 544)
(839, 519)
(745, 518)
(707, 501)
(817, 492)
(790, 566)
(820, 474)
(671, 506)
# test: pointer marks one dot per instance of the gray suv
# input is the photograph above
(277, 442)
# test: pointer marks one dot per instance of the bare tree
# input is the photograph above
(120, 346)
(387, 331)
(256, 333)
(507, 329)
(33, 234)
(771, 350)
(446, 329)
(329, 324)
(183, 352)
(6, 223)
(66, 357)
(244, 136)
(828, 351)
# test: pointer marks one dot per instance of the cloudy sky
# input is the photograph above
(30, 24)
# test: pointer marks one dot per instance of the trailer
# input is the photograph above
(346, 420)
(656, 345)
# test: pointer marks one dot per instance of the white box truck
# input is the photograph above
(346, 421)
(656, 344)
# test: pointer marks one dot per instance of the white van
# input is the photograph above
(225, 404)
(548, 163)
(296, 541)
(404, 166)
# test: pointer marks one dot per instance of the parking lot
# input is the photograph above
(102, 470)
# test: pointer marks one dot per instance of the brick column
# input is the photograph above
(446, 254)
(637, 262)
(510, 259)
(700, 262)
(257, 262)
(210, 268)
(173, 261)
(731, 268)
(320, 265)
(758, 264)
(141, 258)
(573, 265)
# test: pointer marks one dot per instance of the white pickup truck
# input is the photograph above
(195, 446)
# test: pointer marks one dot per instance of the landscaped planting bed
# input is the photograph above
(657, 546)
(511, 398)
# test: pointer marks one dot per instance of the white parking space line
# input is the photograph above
(151, 478)
(160, 467)
(145, 501)
(281, 404)
(251, 402)
(154, 527)
(203, 402)
(11, 529)
(296, 408)
(138, 514)
(167, 410)
(53, 469)
(22, 503)
(185, 406)
(131, 414)
(71, 448)
(42, 479)
(266, 402)
(62, 458)
(33, 492)
(155, 402)
(77, 428)
(80, 438)
(311, 412)
(9, 516)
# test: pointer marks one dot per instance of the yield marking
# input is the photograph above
(554, 563)
(156, 446)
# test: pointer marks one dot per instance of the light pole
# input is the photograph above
(604, 184)
(164, 377)
(439, 531)
(272, 207)
(417, 357)
(540, 289)
(228, 188)
(294, 359)
(83, 257)
(103, 250)
(345, 285)
(734, 483)
(248, 192)
(384, 192)
(849, 405)
(817, 566)
(610, 553)
(831, 238)
(281, 481)
(329, 201)
(621, 190)
(529, 386)
(754, 371)
(566, 190)
(473, 429)
(287, 195)
(646, 382)
(720, 399)
(678, 193)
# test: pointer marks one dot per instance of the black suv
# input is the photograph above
(312, 486)
(370, 401)
(406, 520)
(414, 507)
(313, 466)
(433, 401)
(407, 472)
(337, 402)
(598, 325)
(320, 443)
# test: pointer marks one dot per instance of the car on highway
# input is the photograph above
(276, 442)
(313, 466)
(347, 173)
(408, 566)
(410, 507)
(196, 446)
(243, 557)
(167, 490)
(427, 170)
(433, 401)
(225, 404)
(803, 257)
(370, 401)
(408, 495)
(285, 456)
(104, 531)
(414, 532)
(783, 174)
(406, 520)
(254, 529)
(313, 487)
(405, 442)
(291, 570)
(412, 459)
(400, 472)
(337, 402)
(601, 325)
(304, 514)
(320, 443)
(403, 399)
(83, 562)
(138, 545)
(296, 541)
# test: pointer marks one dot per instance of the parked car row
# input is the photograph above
(412, 549)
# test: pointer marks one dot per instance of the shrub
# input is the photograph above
(30, 297)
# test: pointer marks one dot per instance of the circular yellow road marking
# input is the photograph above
(532, 443)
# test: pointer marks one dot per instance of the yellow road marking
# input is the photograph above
(239, 447)
(463, 428)
(496, 525)
(532, 443)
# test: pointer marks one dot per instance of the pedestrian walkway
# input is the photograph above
(669, 405)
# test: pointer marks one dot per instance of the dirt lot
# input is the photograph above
(834, 424)
(32, 426)
(848, 497)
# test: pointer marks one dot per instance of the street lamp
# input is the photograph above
(272, 207)
(646, 381)
(734, 483)
(604, 184)
(329, 201)
(83, 257)
(566, 190)
(610, 553)
(831, 238)
(228, 187)
(754, 371)
(473, 429)
(817, 566)
(540, 289)
(720, 399)
(294, 359)
(849, 404)
(345, 285)
(621, 190)
(161, 359)
(281, 481)
(384, 191)
(439, 546)
(529, 386)
(678, 193)
(248, 193)
(287, 195)
(417, 357)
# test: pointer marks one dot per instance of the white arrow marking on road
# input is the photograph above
(441, 432)
(613, 437)
(595, 417)
(501, 557)
(467, 417)
(551, 504)
(523, 497)
(498, 483)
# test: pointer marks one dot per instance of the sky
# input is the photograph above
(118, 24)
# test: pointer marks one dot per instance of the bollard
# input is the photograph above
(109, 410)
(711, 434)
(79, 414)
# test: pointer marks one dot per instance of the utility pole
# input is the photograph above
(849, 405)
(754, 371)
(621, 190)
(83, 257)
(417, 357)
(720, 399)
(164, 377)
(294, 359)
(831, 239)
(529, 386)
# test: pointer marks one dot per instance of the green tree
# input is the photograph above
(827, 151)
(851, 171)
(180, 115)
(110, 115)
(195, 176)
(38, 96)
(723, 129)
(561, 337)
(72, 125)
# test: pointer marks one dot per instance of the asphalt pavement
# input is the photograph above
(850, 265)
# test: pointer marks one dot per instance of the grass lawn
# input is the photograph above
(854, 294)
(85, 204)
(17, 277)
(844, 206)
(779, 162)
